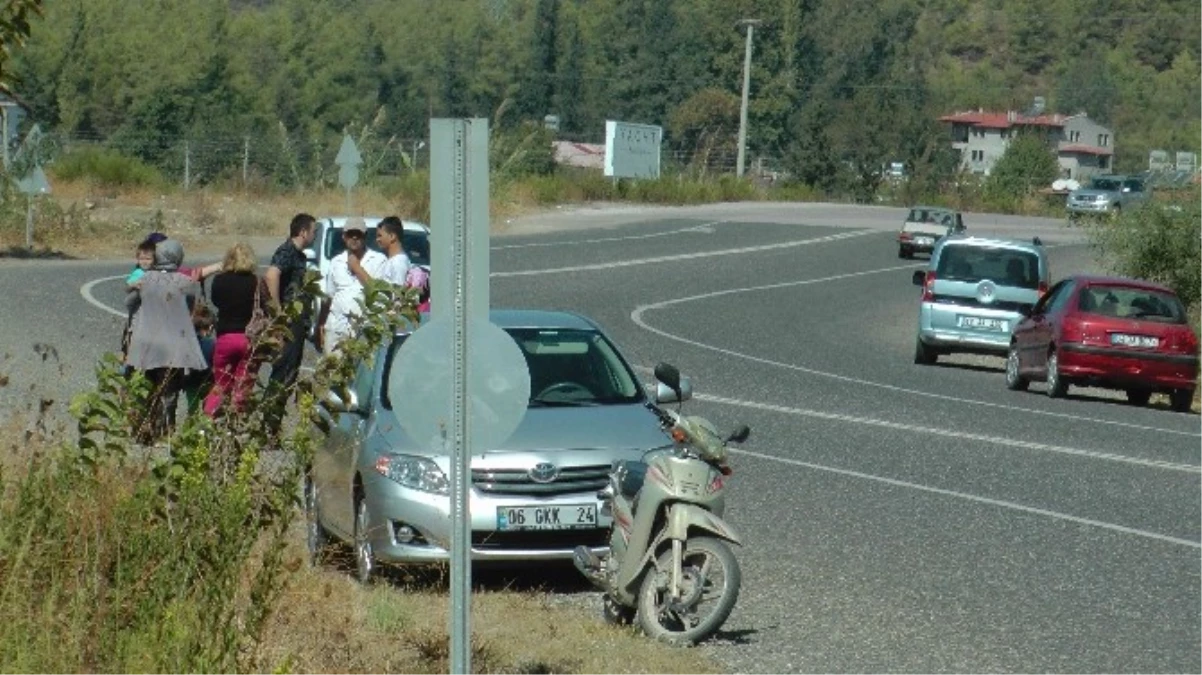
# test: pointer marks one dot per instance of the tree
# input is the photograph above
(15, 29)
(1027, 164)
(704, 126)
(538, 89)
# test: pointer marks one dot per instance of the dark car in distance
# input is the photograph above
(1107, 332)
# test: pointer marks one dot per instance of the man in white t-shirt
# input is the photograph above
(343, 288)
(389, 235)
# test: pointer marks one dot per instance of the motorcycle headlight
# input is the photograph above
(417, 473)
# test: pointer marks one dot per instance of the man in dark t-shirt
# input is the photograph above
(284, 278)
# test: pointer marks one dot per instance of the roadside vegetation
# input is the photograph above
(188, 556)
(1160, 242)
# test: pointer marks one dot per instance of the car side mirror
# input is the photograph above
(666, 394)
(739, 435)
(335, 403)
(918, 278)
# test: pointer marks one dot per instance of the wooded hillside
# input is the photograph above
(834, 82)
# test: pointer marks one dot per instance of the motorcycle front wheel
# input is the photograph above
(710, 581)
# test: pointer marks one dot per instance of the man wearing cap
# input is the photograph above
(344, 291)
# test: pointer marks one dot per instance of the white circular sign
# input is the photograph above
(420, 384)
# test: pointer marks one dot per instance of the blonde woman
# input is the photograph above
(235, 291)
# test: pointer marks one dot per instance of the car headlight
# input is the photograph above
(417, 473)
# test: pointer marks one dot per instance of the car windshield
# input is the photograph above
(1108, 184)
(1131, 303)
(1003, 266)
(568, 368)
(936, 216)
(416, 244)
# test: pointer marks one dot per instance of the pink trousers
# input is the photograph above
(233, 375)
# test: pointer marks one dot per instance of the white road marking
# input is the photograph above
(685, 256)
(637, 317)
(86, 292)
(706, 228)
(946, 433)
(973, 498)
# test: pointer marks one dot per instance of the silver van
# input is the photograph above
(974, 291)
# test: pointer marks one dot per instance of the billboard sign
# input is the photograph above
(632, 150)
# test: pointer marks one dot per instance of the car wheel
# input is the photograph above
(1014, 380)
(317, 539)
(1057, 387)
(924, 355)
(1138, 396)
(1182, 400)
(365, 562)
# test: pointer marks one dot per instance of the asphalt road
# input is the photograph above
(896, 517)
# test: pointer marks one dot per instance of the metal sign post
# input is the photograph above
(466, 379)
(348, 161)
(459, 208)
(33, 184)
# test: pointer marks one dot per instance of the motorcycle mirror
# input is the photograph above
(739, 435)
(669, 375)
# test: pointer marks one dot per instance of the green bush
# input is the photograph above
(105, 167)
(114, 559)
(1158, 242)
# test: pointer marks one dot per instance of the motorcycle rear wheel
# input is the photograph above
(710, 582)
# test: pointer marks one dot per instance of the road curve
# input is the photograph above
(897, 517)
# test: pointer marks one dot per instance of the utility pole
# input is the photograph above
(750, 24)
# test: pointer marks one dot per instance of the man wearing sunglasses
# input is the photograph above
(344, 292)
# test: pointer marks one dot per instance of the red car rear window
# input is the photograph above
(1131, 303)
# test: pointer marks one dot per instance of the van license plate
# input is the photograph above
(1134, 340)
(562, 517)
(983, 324)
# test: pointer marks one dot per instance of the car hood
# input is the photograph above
(606, 429)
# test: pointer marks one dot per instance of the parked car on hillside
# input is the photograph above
(973, 293)
(1107, 195)
(534, 498)
(924, 226)
(1107, 332)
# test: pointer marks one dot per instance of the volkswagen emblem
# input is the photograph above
(985, 291)
(544, 472)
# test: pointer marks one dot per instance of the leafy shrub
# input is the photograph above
(1158, 242)
(114, 559)
(104, 167)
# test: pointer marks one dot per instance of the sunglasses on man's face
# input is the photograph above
(353, 235)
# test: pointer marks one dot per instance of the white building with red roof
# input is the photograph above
(1083, 147)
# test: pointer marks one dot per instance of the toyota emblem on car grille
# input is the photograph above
(544, 472)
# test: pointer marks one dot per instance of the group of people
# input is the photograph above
(187, 341)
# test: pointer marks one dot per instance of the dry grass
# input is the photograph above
(81, 221)
(326, 622)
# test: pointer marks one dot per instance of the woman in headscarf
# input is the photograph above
(163, 341)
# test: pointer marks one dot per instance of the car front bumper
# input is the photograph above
(392, 506)
(1089, 207)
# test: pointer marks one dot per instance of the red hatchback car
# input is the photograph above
(1107, 332)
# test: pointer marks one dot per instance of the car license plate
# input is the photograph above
(1134, 340)
(984, 324)
(562, 517)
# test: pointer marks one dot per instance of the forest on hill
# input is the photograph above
(834, 83)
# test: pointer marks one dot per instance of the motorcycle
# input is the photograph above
(669, 564)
